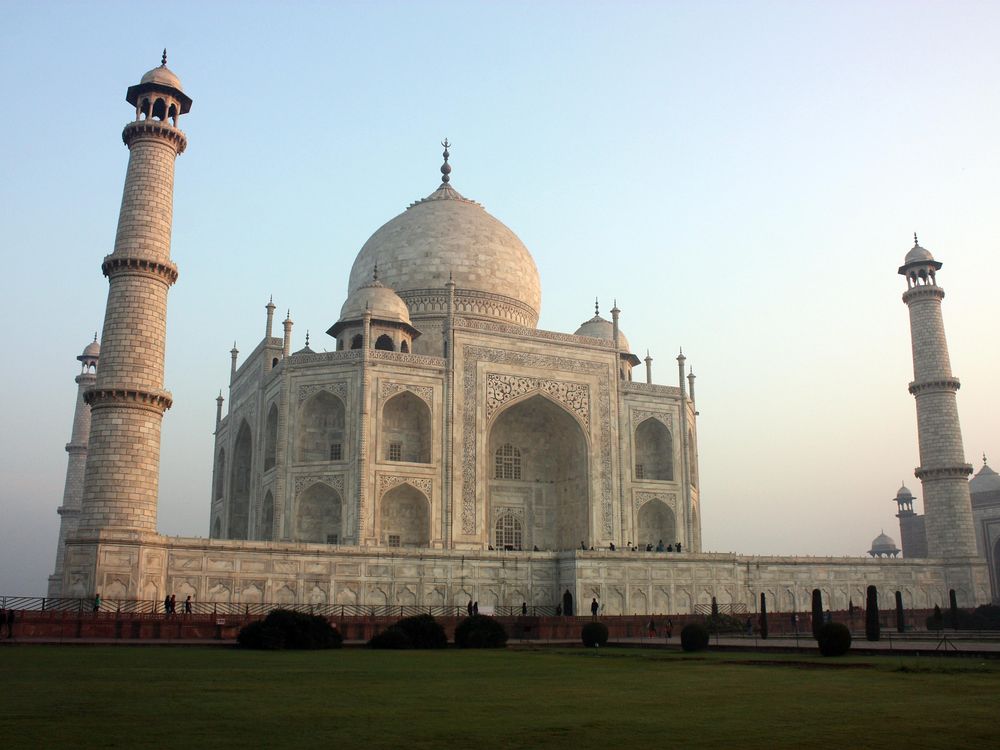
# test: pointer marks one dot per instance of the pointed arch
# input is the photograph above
(654, 451)
(406, 429)
(384, 343)
(552, 491)
(692, 459)
(271, 438)
(319, 515)
(239, 498)
(220, 475)
(320, 428)
(405, 517)
(655, 522)
(267, 518)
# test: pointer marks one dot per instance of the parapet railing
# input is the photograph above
(159, 607)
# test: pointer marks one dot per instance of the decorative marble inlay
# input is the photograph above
(337, 389)
(502, 388)
(336, 481)
(641, 498)
(641, 415)
(387, 389)
(386, 482)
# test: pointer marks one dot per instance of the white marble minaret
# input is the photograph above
(943, 471)
(128, 400)
(69, 511)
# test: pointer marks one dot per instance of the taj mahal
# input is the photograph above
(446, 449)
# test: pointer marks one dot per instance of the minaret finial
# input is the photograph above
(163, 63)
(95, 337)
(446, 167)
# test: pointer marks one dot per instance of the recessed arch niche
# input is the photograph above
(239, 499)
(405, 517)
(321, 426)
(552, 493)
(654, 451)
(318, 515)
(655, 522)
(406, 424)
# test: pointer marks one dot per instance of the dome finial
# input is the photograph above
(375, 273)
(915, 243)
(446, 167)
(95, 341)
(307, 338)
(984, 452)
(163, 63)
(597, 309)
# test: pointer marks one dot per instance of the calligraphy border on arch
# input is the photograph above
(334, 481)
(388, 388)
(641, 415)
(667, 498)
(470, 439)
(338, 388)
(501, 388)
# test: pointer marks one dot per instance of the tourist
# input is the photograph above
(611, 546)
(166, 604)
(469, 608)
(649, 546)
(97, 602)
(558, 610)
(651, 627)
(678, 546)
(660, 547)
(668, 629)
(749, 627)
(475, 608)
(10, 623)
(583, 546)
(593, 608)
(524, 609)
(187, 605)
(173, 604)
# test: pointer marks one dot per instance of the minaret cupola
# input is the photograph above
(159, 96)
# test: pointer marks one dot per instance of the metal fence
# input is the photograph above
(139, 606)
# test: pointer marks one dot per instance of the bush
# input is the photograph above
(936, 620)
(390, 638)
(834, 639)
(694, 637)
(480, 631)
(594, 634)
(719, 623)
(423, 631)
(284, 629)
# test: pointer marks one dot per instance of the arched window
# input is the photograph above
(217, 528)
(384, 343)
(271, 438)
(172, 114)
(321, 426)
(508, 462)
(239, 488)
(267, 518)
(508, 532)
(654, 451)
(357, 342)
(145, 109)
(404, 348)
(405, 517)
(220, 474)
(159, 110)
(318, 515)
(406, 429)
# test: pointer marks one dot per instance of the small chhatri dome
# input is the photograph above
(381, 301)
(904, 491)
(599, 328)
(883, 544)
(91, 350)
(162, 75)
(162, 79)
(985, 480)
(917, 254)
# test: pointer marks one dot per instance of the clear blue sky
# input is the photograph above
(744, 178)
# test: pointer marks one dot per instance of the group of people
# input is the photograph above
(170, 605)
(676, 547)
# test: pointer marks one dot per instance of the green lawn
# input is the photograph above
(574, 698)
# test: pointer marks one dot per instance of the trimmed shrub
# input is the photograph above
(900, 617)
(594, 634)
(725, 624)
(390, 638)
(285, 629)
(953, 600)
(423, 631)
(873, 629)
(834, 639)
(694, 637)
(480, 631)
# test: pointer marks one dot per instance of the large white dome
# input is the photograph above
(446, 235)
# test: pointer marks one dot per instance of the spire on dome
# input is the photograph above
(163, 62)
(597, 309)
(915, 243)
(446, 167)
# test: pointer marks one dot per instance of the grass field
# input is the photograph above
(125, 697)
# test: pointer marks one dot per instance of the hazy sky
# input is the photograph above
(744, 178)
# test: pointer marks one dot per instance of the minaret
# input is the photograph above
(270, 318)
(286, 345)
(69, 511)
(942, 470)
(128, 400)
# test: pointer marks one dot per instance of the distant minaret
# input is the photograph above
(942, 470)
(128, 400)
(69, 511)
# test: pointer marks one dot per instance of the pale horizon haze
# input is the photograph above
(743, 178)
